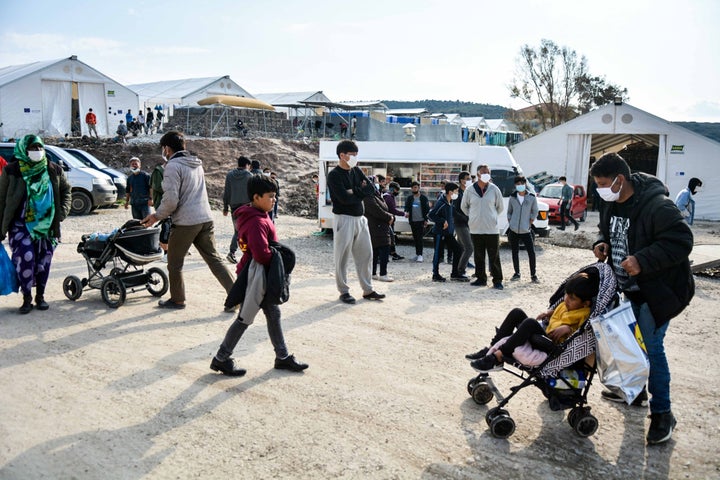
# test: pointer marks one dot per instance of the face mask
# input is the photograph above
(698, 189)
(468, 183)
(454, 196)
(485, 178)
(520, 188)
(36, 155)
(267, 174)
(352, 161)
(607, 194)
(377, 186)
(395, 194)
(134, 170)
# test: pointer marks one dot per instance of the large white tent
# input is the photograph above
(682, 154)
(46, 97)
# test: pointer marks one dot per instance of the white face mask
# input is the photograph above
(454, 196)
(352, 161)
(698, 189)
(607, 194)
(36, 155)
(520, 188)
(485, 178)
(134, 170)
(468, 183)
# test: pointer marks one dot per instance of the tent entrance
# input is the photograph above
(641, 152)
(75, 111)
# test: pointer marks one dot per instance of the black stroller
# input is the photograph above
(564, 377)
(124, 251)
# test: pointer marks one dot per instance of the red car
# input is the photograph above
(551, 194)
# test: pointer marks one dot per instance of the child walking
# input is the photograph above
(564, 320)
(255, 231)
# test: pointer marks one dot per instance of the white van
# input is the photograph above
(90, 188)
(428, 163)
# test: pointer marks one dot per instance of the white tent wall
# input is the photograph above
(56, 107)
(222, 86)
(21, 109)
(92, 95)
(565, 150)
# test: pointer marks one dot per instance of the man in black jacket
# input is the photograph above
(348, 185)
(646, 241)
(235, 196)
(417, 208)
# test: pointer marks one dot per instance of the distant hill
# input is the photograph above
(466, 109)
(708, 129)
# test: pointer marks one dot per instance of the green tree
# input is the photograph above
(556, 82)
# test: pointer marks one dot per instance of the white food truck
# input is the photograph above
(428, 163)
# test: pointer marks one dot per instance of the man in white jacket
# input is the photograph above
(185, 199)
(482, 203)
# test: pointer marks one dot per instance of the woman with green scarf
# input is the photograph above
(35, 197)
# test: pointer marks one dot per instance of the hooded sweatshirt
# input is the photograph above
(184, 192)
(236, 188)
(255, 231)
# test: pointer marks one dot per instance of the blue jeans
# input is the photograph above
(653, 336)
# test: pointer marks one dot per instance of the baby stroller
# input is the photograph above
(124, 251)
(564, 377)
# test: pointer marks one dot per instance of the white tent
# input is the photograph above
(45, 97)
(188, 91)
(682, 154)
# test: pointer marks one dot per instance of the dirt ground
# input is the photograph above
(91, 392)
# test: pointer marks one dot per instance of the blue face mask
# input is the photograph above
(520, 188)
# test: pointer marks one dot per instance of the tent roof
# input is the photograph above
(174, 88)
(294, 99)
(407, 112)
(16, 72)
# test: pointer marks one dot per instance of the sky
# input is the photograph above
(664, 52)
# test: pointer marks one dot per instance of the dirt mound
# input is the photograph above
(293, 161)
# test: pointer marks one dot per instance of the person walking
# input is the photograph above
(185, 199)
(685, 202)
(348, 185)
(566, 204)
(35, 196)
(417, 207)
(521, 213)
(482, 203)
(235, 195)
(91, 121)
(137, 193)
(646, 240)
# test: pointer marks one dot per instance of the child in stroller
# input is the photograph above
(518, 328)
(562, 371)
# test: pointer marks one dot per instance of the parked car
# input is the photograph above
(552, 193)
(90, 188)
(119, 178)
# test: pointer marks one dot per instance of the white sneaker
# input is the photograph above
(414, 259)
(164, 258)
(375, 277)
(385, 278)
(419, 259)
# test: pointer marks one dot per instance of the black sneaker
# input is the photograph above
(477, 355)
(438, 278)
(374, 296)
(347, 298)
(27, 305)
(515, 277)
(227, 367)
(40, 303)
(478, 283)
(487, 363)
(577, 225)
(231, 258)
(459, 278)
(661, 428)
(289, 363)
(534, 279)
(640, 401)
(498, 286)
(397, 257)
(170, 304)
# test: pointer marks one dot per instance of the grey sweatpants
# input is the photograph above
(351, 236)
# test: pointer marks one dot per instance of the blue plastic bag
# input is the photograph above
(8, 277)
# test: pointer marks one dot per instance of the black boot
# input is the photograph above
(27, 304)
(40, 302)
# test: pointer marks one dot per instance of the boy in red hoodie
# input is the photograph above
(255, 231)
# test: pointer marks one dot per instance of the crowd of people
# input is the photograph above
(643, 235)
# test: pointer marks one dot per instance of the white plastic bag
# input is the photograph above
(622, 364)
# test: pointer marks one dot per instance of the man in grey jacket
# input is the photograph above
(482, 203)
(185, 199)
(521, 213)
(235, 196)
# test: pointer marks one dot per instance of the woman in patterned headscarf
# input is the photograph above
(34, 198)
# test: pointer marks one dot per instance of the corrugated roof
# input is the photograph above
(407, 112)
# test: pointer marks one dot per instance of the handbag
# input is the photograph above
(622, 363)
(8, 277)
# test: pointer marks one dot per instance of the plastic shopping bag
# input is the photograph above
(622, 363)
(8, 276)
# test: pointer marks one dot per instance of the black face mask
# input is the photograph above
(396, 193)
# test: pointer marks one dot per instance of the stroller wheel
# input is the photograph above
(573, 416)
(586, 425)
(72, 287)
(494, 413)
(502, 426)
(471, 385)
(113, 292)
(482, 394)
(157, 282)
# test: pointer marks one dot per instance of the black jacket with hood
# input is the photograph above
(661, 241)
(236, 189)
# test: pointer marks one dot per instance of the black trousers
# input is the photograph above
(565, 213)
(526, 238)
(418, 229)
(522, 329)
(491, 243)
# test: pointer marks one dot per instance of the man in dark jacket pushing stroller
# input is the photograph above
(647, 243)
